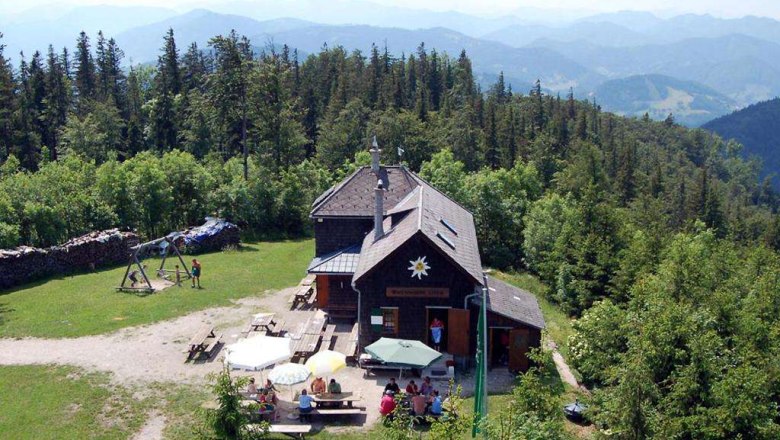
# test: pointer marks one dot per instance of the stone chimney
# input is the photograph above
(375, 152)
(379, 199)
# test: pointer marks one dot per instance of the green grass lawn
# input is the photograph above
(40, 402)
(87, 304)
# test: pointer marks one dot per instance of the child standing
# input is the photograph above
(178, 276)
(195, 272)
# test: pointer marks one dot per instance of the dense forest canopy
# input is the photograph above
(659, 236)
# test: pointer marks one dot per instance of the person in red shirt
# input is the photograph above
(411, 388)
(387, 404)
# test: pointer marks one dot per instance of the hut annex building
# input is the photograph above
(393, 253)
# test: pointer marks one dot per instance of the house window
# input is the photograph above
(390, 321)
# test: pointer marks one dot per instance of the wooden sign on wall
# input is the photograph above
(417, 292)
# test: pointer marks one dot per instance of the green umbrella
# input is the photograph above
(401, 351)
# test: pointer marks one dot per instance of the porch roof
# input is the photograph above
(343, 261)
(513, 303)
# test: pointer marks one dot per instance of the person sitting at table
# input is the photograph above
(269, 386)
(436, 404)
(267, 404)
(251, 388)
(334, 387)
(318, 386)
(426, 388)
(392, 386)
(387, 405)
(411, 388)
(419, 404)
(304, 406)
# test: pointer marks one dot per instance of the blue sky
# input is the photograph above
(723, 8)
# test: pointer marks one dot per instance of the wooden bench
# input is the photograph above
(327, 337)
(342, 311)
(294, 431)
(337, 411)
(351, 350)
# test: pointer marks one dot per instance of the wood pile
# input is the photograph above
(96, 249)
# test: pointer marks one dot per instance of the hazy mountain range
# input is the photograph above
(695, 66)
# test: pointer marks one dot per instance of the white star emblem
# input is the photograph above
(419, 267)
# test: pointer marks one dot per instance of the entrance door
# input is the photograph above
(518, 350)
(322, 291)
(442, 314)
(458, 338)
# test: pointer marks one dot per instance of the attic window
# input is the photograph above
(449, 226)
(445, 239)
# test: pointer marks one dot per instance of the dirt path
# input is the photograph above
(150, 353)
(563, 368)
(152, 429)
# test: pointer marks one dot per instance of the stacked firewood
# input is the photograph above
(96, 249)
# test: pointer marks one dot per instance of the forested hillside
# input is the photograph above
(659, 236)
(757, 127)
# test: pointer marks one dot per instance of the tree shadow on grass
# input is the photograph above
(4, 309)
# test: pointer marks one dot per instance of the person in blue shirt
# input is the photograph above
(304, 406)
(436, 404)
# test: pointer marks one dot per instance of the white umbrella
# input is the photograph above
(289, 374)
(326, 363)
(258, 352)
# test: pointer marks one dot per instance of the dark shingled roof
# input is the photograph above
(427, 207)
(513, 303)
(343, 261)
(354, 197)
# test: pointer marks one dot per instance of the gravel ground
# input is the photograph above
(138, 356)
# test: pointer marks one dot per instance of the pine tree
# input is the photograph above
(85, 72)
(7, 102)
(57, 101)
(435, 84)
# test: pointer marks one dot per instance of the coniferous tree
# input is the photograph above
(57, 101)
(84, 80)
(7, 102)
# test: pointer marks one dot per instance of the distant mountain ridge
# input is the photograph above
(737, 59)
(658, 96)
(757, 128)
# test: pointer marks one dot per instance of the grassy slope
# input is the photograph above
(87, 304)
(60, 402)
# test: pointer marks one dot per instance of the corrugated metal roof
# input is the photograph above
(514, 303)
(343, 261)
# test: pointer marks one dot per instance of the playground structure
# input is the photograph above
(164, 246)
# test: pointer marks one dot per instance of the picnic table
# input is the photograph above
(307, 335)
(366, 362)
(263, 320)
(347, 397)
(302, 294)
(198, 343)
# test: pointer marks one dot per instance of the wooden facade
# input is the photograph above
(333, 234)
(424, 223)
(415, 313)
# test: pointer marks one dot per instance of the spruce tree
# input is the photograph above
(7, 102)
(85, 72)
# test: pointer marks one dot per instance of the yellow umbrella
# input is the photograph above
(326, 363)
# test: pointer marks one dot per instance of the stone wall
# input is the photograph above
(96, 249)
